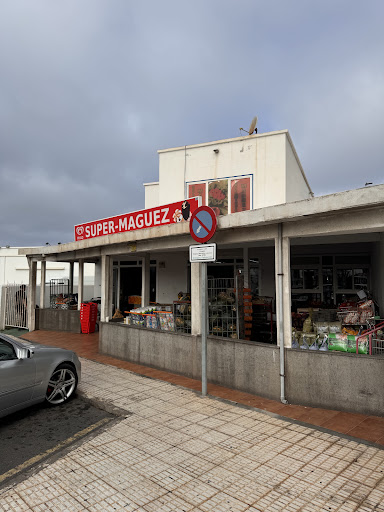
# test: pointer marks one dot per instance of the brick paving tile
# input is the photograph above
(86, 345)
(200, 455)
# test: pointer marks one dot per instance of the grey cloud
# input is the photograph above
(91, 89)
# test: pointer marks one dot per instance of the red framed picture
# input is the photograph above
(218, 196)
(240, 195)
(198, 189)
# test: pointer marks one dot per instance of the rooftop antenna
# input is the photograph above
(252, 127)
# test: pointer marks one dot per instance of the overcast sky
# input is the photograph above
(91, 89)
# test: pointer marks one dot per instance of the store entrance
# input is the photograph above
(130, 286)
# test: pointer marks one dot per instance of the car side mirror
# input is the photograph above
(25, 353)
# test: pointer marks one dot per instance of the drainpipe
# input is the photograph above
(280, 326)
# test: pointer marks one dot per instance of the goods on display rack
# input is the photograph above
(362, 313)
(151, 317)
(59, 296)
(166, 320)
(248, 316)
(354, 332)
(182, 316)
(222, 308)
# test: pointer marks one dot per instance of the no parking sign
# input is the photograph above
(202, 225)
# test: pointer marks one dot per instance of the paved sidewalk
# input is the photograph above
(177, 451)
(369, 428)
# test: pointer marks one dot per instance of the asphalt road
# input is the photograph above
(29, 436)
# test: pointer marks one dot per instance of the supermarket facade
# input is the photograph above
(292, 256)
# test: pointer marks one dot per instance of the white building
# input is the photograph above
(297, 250)
(14, 270)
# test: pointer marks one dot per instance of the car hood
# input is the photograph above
(36, 347)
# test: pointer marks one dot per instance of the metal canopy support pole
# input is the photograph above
(287, 303)
(280, 268)
(43, 273)
(204, 322)
(145, 278)
(80, 285)
(71, 265)
(196, 298)
(105, 287)
(246, 267)
(3, 300)
(31, 301)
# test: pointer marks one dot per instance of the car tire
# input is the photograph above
(62, 385)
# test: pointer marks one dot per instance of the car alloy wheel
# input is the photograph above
(61, 385)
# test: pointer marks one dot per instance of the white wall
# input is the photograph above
(14, 269)
(172, 276)
(266, 257)
(265, 156)
(296, 187)
(151, 195)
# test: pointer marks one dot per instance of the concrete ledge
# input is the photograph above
(236, 364)
(58, 320)
(344, 382)
(336, 380)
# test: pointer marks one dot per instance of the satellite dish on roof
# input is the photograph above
(252, 127)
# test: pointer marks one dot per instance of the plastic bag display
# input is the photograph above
(314, 345)
(137, 319)
(363, 345)
(166, 321)
(295, 342)
(321, 327)
(307, 325)
(324, 345)
(334, 327)
(151, 321)
(352, 317)
(304, 345)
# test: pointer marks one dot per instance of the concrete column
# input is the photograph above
(287, 303)
(31, 300)
(246, 267)
(106, 308)
(71, 266)
(80, 285)
(43, 273)
(3, 299)
(379, 270)
(195, 298)
(286, 290)
(145, 277)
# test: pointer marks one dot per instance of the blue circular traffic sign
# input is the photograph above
(202, 225)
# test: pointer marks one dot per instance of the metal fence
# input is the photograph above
(223, 311)
(378, 345)
(15, 297)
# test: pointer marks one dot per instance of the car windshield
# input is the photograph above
(6, 351)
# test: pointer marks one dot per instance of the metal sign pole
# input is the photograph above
(204, 322)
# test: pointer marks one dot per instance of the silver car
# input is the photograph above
(30, 374)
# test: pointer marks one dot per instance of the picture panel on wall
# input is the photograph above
(218, 196)
(198, 189)
(240, 195)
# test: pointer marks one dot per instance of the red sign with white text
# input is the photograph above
(159, 216)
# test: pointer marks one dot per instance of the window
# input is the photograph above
(227, 195)
(352, 278)
(306, 279)
(7, 352)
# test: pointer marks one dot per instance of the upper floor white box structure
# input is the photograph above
(250, 172)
